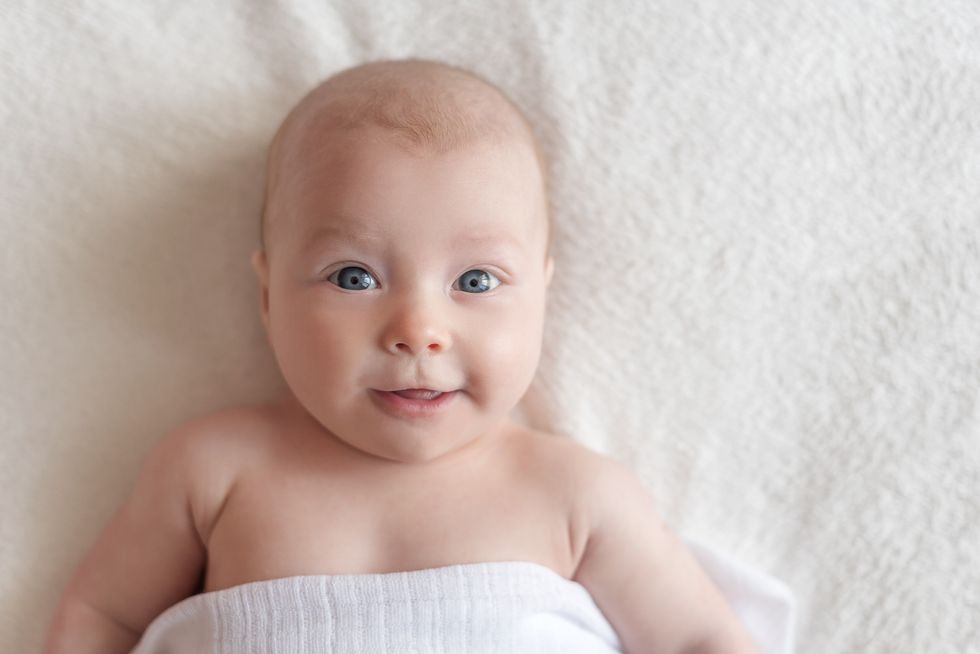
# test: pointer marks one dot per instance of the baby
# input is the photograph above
(403, 273)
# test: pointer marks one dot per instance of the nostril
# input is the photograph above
(405, 347)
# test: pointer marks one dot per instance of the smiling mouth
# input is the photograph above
(414, 402)
(418, 393)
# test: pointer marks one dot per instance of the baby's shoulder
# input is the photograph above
(589, 479)
(222, 437)
(569, 460)
(211, 449)
(587, 483)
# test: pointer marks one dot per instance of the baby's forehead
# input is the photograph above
(315, 141)
(427, 108)
(361, 153)
(476, 187)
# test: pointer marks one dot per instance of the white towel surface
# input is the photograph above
(508, 606)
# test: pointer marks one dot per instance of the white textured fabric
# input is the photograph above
(508, 606)
(767, 289)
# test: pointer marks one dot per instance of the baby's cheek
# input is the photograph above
(310, 341)
(507, 349)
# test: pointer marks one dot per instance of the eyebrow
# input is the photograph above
(341, 234)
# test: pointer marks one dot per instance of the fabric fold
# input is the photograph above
(510, 606)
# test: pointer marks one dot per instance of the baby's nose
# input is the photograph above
(417, 331)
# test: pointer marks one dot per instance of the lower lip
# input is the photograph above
(404, 407)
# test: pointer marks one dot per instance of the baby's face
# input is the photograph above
(392, 271)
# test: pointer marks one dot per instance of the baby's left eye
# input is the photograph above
(478, 281)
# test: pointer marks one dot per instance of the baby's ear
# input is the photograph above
(260, 264)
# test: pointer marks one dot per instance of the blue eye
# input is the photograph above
(358, 278)
(478, 281)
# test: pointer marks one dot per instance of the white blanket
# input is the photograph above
(511, 606)
(472, 608)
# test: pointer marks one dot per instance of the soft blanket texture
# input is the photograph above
(479, 607)
(766, 297)
(509, 606)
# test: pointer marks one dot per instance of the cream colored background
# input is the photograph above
(767, 299)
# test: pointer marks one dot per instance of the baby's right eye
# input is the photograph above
(358, 278)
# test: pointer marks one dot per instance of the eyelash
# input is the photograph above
(329, 277)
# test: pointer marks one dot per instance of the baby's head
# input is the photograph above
(406, 245)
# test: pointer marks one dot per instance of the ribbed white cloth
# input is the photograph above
(510, 606)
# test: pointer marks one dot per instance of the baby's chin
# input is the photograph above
(411, 451)
(424, 447)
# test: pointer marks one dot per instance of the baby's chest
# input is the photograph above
(275, 528)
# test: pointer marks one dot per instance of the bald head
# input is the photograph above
(423, 106)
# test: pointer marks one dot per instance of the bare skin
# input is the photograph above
(326, 481)
(495, 502)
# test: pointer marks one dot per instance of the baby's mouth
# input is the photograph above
(418, 393)
(414, 403)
